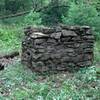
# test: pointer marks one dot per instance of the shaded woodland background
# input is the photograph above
(52, 12)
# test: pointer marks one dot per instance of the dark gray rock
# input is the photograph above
(56, 35)
(67, 33)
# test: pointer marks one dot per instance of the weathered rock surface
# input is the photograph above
(52, 49)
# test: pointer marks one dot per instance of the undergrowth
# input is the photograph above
(10, 38)
(19, 83)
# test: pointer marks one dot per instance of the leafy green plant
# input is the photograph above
(33, 18)
(80, 15)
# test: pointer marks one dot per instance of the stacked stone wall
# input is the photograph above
(57, 49)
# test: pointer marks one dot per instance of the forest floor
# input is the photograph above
(17, 82)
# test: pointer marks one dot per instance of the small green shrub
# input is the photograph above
(33, 18)
(80, 15)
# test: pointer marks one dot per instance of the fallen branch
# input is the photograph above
(12, 55)
(26, 12)
(15, 15)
